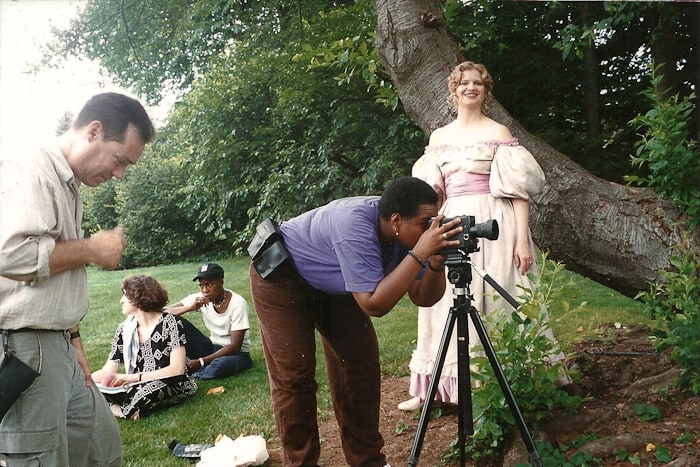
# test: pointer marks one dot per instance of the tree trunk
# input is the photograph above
(615, 235)
(591, 86)
(696, 22)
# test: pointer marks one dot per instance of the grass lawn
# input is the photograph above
(244, 407)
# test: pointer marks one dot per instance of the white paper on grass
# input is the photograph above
(243, 452)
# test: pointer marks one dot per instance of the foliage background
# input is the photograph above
(283, 105)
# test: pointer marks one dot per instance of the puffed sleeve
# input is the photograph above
(427, 169)
(515, 173)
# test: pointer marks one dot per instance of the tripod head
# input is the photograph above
(459, 271)
(457, 262)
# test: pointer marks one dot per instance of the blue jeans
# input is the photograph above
(198, 346)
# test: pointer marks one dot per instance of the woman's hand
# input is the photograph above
(179, 309)
(522, 255)
(424, 242)
(98, 376)
(523, 258)
(107, 379)
(441, 196)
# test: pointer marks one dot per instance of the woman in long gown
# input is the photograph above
(483, 172)
(151, 345)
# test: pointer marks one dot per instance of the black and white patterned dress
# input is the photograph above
(152, 355)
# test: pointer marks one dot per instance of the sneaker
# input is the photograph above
(411, 404)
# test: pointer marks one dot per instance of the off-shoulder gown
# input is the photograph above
(478, 180)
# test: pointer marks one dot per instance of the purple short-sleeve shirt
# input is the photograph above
(336, 247)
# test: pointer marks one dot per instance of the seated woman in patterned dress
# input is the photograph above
(150, 345)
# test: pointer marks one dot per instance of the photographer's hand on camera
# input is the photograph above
(423, 291)
(429, 290)
(437, 237)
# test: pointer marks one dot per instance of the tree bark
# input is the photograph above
(613, 234)
(696, 22)
(591, 84)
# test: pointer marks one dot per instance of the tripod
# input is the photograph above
(459, 274)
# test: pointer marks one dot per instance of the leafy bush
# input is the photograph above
(99, 207)
(525, 351)
(148, 205)
(671, 157)
(557, 454)
(647, 412)
(675, 303)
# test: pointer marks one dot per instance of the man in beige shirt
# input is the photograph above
(62, 419)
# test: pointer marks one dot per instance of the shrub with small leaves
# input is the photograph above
(674, 303)
(557, 454)
(667, 151)
(647, 412)
(524, 351)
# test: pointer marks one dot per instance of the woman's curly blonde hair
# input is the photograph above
(455, 77)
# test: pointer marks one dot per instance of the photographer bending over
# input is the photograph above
(351, 259)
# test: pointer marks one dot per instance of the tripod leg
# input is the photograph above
(432, 389)
(505, 387)
(465, 420)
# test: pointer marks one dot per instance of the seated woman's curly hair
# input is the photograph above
(145, 292)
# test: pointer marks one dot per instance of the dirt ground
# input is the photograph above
(619, 368)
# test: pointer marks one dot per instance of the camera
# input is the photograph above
(470, 232)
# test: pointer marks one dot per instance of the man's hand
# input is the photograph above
(108, 246)
(194, 365)
(102, 249)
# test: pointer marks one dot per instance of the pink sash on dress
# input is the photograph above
(466, 183)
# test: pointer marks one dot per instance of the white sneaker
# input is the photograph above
(411, 404)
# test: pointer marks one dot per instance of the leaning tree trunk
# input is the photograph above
(616, 235)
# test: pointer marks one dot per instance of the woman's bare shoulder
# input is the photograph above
(443, 135)
(488, 130)
(497, 131)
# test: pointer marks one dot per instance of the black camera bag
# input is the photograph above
(15, 378)
(267, 249)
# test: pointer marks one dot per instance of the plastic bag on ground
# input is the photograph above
(243, 452)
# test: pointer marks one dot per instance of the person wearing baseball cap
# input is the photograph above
(226, 352)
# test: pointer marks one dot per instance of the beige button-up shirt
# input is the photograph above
(40, 205)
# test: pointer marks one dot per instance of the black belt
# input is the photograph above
(14, 331)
